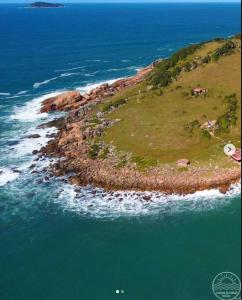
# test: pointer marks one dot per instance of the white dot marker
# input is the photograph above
(117, 291)
(229, 149)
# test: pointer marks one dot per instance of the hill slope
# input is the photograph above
(153, 122)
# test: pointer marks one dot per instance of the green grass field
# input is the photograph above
(152, 125)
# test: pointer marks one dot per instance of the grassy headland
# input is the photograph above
(155, 119)
(131, 134)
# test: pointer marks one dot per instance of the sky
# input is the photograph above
(113, 1)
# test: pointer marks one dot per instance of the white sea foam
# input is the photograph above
(5, 94)
(69, 74)
(70, 69)
(22, 92)
(123, 69)
(7, 175)
(28, 145)
(98, 203)
(29, 112)
(93, 60)
(87, 88)
(38, 84)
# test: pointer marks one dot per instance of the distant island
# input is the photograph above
(45, 5)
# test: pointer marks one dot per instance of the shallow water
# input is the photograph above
(58, 242)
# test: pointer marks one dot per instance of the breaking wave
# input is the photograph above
(90, 86)
(97, 203)
(5, 94)
(38, 84)
(30, 110)
(7, 175)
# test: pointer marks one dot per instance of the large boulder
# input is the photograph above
(63, 102)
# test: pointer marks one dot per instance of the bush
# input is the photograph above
(187, 67)
(192, 125)
(223, 124)
(121, 163)
(226, 49)
(94, 150)
(159, 93)
(205, 134)
(225, 121)
(104, 153)
(114, 104)
(167, 70)
(206, 59)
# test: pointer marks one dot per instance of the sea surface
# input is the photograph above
(57, 242)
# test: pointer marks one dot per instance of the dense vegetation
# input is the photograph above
(167, 70)
(225, 121)
(113, 104)
(225, 49)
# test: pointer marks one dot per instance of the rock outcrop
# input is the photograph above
(73, 100)
(63, 102)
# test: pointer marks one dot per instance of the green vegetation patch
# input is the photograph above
(225, 121)
(144, 162)
(167, 70)
(226, 49)
(94, 151)
(113, 104)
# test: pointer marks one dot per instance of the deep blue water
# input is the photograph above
(59, 245)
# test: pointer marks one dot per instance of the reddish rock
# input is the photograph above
(74, 180)
(63, 102)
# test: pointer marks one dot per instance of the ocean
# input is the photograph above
(61, 243)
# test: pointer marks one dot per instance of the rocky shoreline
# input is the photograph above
(72, 146)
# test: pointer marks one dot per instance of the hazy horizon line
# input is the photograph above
(125, 1)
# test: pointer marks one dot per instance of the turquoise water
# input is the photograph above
(61, 243)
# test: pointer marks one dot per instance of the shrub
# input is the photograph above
(121, 163)
(226, 49)
(222, 124)
(94, 150)
(229, 118)
(159, 93)
(167, 70)
(206, 59)
(95, 120)
(185, 94)
(205, 134)
(187, 67)
(192, 125)
(104, 153)
(114, 104)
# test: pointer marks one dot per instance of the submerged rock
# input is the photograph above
(33, 136)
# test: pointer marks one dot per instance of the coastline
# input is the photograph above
(70, 147)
